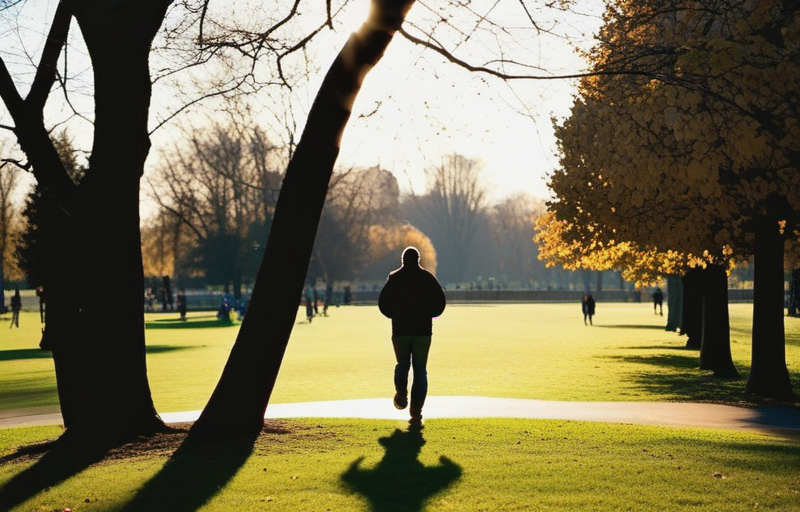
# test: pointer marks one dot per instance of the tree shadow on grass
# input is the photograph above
(24, 353)
(400, 482)
(684, 380)
(193, 475)
(160, 349)
(61, 460)
(207, 322)
(631, 326)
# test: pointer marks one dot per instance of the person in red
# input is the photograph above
(411, 297)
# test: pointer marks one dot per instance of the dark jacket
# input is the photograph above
(411, 297)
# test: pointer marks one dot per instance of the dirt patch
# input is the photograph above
(162, 444)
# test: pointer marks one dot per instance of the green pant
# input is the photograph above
(411, 351)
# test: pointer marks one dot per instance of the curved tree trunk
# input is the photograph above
(715, 349)
(674, 302)
(237, 406)
(769, 376)
(692, 323)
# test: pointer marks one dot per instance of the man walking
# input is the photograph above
(411, 297)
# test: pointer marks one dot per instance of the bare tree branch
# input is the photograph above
(46, 70)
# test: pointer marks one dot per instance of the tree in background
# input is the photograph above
(216, 197)
(450, 212)
(386, 244)
(358, 199)
(511, 228)
(8, 184)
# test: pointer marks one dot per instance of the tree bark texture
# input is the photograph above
(114, 386)
(674, 302)
(715, 349)
(237, 406)
(692, 317)
(769, 377)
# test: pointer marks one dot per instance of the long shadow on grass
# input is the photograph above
(193, 475)
(684, 380)
(187, 324)
(400, 482)
(61, 460)
(24, 353)
(631, 326)
(159, 349)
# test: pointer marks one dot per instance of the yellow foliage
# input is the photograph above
(386, 240)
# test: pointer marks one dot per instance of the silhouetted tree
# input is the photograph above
(240, 399)
(108, 390)
(217, 194)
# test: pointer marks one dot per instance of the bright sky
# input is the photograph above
(413, 108)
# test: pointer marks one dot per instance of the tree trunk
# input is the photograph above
(674, 302)
(715, 349)
(237, 406)
(61, 332)
(794, 293)
(692, 317)
(599, 281)
(769, 377)
(114, 387)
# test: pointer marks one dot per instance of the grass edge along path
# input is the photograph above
(454, 465)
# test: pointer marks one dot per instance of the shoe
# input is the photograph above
(400, 400)
(416, 420)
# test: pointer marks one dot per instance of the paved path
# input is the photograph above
(782, 420)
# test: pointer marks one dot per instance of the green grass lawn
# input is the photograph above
(454, 465)
(526, 351)
(540, 351)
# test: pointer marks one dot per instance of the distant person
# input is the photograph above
(328, 299)
(316, 301)
(181, 303)
(587, 305)
(224, 311)
(242, 308)
(309, 305)
(149, 299)
(348, 296)
(40, 295)
(658, 302)
(411, 297)
(166, 293)
(16, 306)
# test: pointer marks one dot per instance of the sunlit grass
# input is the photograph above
(463, 465)
(528, 351)
(540, 351)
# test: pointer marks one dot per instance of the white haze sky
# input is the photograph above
(413, 109)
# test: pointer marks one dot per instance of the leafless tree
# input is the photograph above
(511, 232)
(357, 200)
(218, 193)
(450, 212)
(9, 178)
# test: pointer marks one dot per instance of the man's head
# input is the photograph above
(411, 257)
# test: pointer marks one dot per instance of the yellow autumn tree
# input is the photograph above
(389, 242)
(687, 140)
